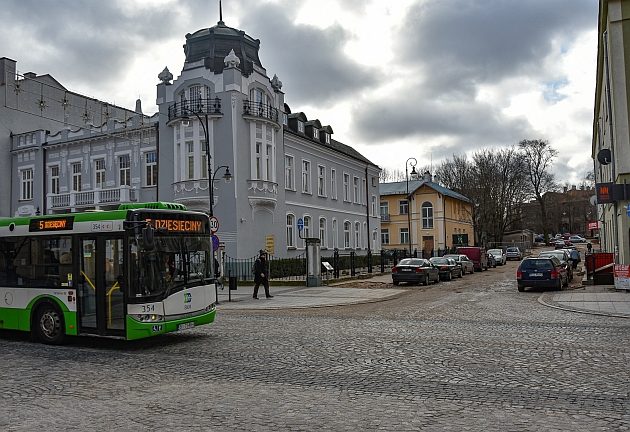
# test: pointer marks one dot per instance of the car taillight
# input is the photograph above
(394, 269)
(443, 268)
(519, 274)
(554, 274)
(419, 270)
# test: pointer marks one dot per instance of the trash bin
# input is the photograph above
(233, 283)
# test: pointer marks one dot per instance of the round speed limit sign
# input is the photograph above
(214, 224)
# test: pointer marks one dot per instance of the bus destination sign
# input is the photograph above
(51, 224)
(176, 225)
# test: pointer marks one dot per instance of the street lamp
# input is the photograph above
(410, 162)
(227, 176)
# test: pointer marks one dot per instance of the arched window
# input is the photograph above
(323, 238)
(335, 234)
(290, 231)
(346, 234)
(307, 228)
(427, 215)
(357, 235)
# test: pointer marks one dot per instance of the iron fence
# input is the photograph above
(279, 268)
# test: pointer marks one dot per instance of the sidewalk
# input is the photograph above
(592, 299)
(290, 297)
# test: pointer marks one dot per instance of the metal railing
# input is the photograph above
(280, 269)
(210, 106)
(258, 109)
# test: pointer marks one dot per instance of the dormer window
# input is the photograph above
(285, 119)
(300, 126)
(327, 135)
(316, 133)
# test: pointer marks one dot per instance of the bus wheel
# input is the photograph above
(49, 326)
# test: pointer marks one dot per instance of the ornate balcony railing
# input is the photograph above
(258, 109)
(91, 198)
(209, 106)
(385, 217)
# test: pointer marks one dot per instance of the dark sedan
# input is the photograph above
(542, 272)
(415, 270)
(448, 268)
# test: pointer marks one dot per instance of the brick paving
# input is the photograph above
(472, 354)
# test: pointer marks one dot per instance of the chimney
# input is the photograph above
(138, 106)
(30, 75)
(427, 177)
(565, 189)
(7, 71)
(574, 187)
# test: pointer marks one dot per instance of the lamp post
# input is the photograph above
(410, 162)
(227, 177)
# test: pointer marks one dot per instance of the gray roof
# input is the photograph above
(400, 188)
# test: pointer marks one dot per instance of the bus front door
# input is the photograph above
(101, 302)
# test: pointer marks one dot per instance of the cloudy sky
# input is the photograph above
(395, 79)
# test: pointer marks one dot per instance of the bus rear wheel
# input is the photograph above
(49, 326)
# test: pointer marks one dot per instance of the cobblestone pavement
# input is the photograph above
(472, 354)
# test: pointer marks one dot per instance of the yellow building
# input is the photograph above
(439, 218)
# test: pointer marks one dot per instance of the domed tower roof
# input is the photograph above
(213, 44)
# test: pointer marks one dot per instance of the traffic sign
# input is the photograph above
(214, 224)
(215, 243)
(300, 224)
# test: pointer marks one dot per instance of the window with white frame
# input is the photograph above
(195, 97)
(300, 126)
(258, 172)
(335, 234)
(374, 239)
(427, 215)
(150, 168)
(258, 96)
(190, 160)
(124, 170)
(357, 235)
(307, 228)
(346, 187)
(384, 210)
(355, 187)
(346, 234)
(285, 119)
(54, 179)
(327, 138)
(290, 230)
(384, 236)
(204, 159)
(374, 183)
(76, 176)
(333, 184)
(403, 207)
(316, 133)
(373, 205)
(321, 180)
(99, 173)
(26, 184)
(365, 235)
(268, 162)
(323, 238)
(289, 173)
(306, 176)
(404, 236)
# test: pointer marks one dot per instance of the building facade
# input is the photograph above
(438, 218)
(222, 115)
(611, 128)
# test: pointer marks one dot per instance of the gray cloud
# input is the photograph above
(308, 60)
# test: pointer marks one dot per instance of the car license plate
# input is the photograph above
(406, 270)
(186, 326)
(535, 274)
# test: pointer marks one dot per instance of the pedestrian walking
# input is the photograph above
(589, 246)
(260, 274)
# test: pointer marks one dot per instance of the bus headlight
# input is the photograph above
(148, 317)
(210, 307)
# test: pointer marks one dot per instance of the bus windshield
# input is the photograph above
(176, 262)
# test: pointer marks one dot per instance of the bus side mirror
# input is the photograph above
(148, 237)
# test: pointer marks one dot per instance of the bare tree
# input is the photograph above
(538, 156)
(391, 175)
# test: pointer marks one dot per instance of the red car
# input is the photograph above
(477, 255)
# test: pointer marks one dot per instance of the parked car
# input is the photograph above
(563, 256)
(499, 256)
(559, 244)
(513, 253)
(539, 238)
(577, 239)
(477, 255)
(464, 261)
(415, 270)
(448, 268)
(541, 272)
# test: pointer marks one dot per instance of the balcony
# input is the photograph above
(91, 198)
(208, 106)
(258, 110)
(262, 193)
(385, 218)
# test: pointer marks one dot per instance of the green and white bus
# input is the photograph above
(132, 273)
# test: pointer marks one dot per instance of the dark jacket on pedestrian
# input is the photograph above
(260, 270)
